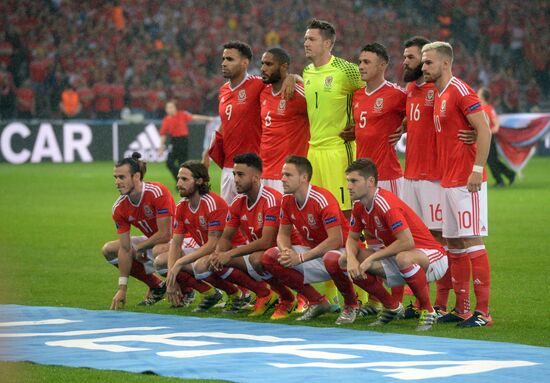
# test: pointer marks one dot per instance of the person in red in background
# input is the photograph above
(137, 94)
(175, 126)
(118, 93)
(150, 207)
(498, 168)
(86, 96)
(25, 100)
(103, 98)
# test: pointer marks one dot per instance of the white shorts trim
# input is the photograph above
(253, 273)
(227, 185)
(395, 185)
(424, 197)
(437, 268)
(464, 213)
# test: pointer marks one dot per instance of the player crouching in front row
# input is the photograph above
(409, 253)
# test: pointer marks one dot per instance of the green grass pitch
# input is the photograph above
(56, 217)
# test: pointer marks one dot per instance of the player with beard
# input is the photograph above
(149, 207)
(285, 126)
(239, 110)
(463, 180)
(201, 214)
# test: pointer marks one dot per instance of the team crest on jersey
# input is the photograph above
(378, 104)
(429, 98)
(378, 222)
(148, 211)
(281, 107)
(311, 220)
(202, 221)
(328, 82)
(241, 97)
(260, 219)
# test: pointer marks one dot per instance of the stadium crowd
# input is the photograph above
(92, 59)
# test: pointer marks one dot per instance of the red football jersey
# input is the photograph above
(451, 107)
(210, 215)
(320, 212)
(252, 219)
(377, 115)
(241, 124)
(156, 202)
(421, 153)
(285, 129)
(176, 126)
(388, 216)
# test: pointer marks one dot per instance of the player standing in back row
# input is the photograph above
(329, 83)
(464, 198)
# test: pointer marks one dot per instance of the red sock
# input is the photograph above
(374, 286)
(242, 279)
(444, 286)
(185, 280)
(284, 292)
(481, 274)
(341, 280)
(289, 277)
(222, 284)
(460, 277)
(138, 272)
(397, 292)
(416, 279)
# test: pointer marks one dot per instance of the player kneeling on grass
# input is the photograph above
(201, 214)
(148, 206)
(322, 227)
(410, 254)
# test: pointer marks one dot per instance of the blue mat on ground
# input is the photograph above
(207, 348)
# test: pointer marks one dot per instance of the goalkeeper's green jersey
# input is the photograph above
(329, 89)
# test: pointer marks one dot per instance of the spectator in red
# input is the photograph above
(7, 94)
(103, 98)
(86, 96)
(533, 94)
(175, 126)
(26, 103)
(137, 94)
(118, 94)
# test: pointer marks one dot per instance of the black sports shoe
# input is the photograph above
(411, 312)
(155, 295)
(477, 320)
(209, 301)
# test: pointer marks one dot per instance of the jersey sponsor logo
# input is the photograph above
(282, 106)
(202, 221)
(330, 220)
(148, 211)
(271, 218)
(311, 220)
(471, 108)
(396, 225)
(214, 223)
(162, 211)
(328, 82)
(378, 104)
(241, 97)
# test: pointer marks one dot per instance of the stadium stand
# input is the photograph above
(138, 53)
